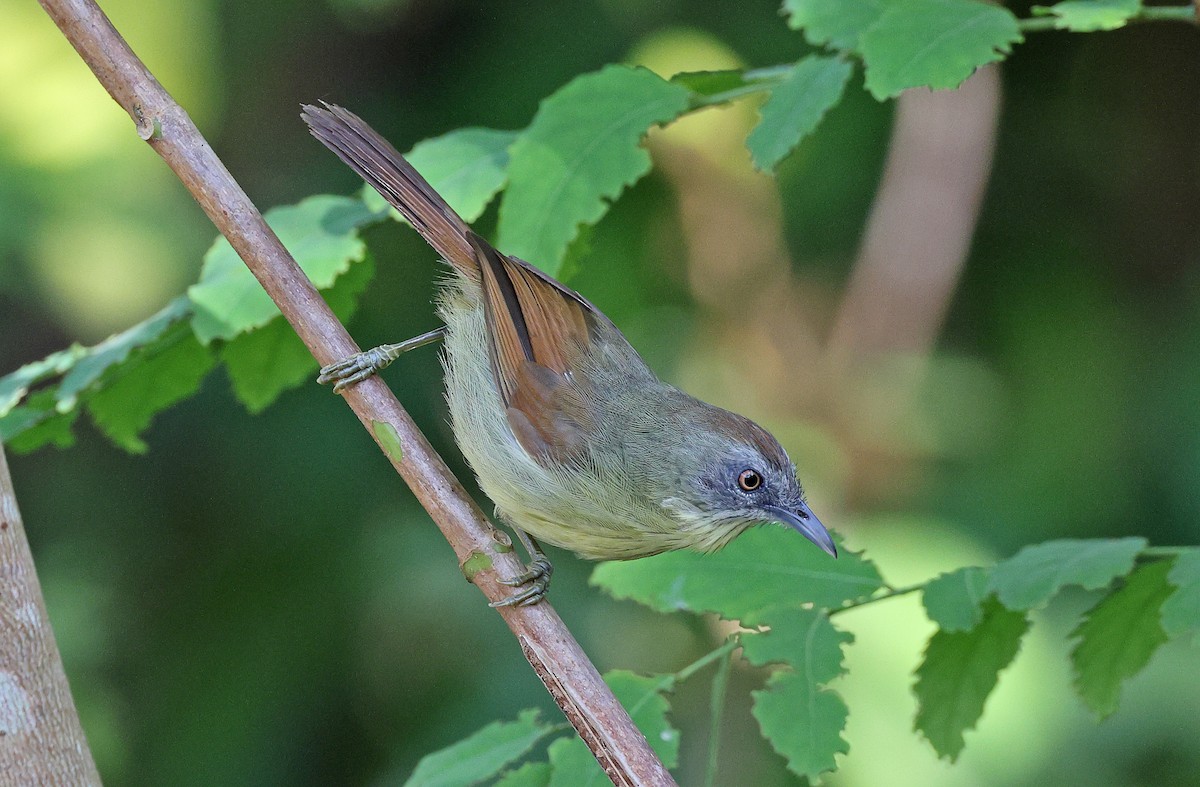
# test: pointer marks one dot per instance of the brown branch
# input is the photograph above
(41, 741)
(483, 553)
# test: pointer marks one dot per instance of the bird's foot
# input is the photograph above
(356, 368)
(537, 579)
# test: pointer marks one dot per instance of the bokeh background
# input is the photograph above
(997, 343)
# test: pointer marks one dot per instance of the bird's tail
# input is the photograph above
(378, 163)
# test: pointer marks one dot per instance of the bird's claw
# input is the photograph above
(354, 369)
(538, 580)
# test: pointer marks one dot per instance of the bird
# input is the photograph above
(568, 431)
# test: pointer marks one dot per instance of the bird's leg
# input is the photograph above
(357, 368)
(537, 577)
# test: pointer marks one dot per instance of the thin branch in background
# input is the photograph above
(484, 553)
(41, 740)
(913, 252)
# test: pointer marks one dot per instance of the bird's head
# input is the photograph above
(741, 476)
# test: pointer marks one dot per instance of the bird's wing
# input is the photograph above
(539, 331)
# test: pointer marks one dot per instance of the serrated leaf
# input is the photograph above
(954, 600)
(1181, 611)
(574, 766)
(14, 386)
(803, 722)
(265, 362)
(1118, 636)
(958, 673)
(1087, 16)
(838, 23)
(531, 774)
(1035, 574)
(467, 167)
(774, 567)
(804, 639)
(153, 378)
(933, 43)
(320, 232)
(795, 107)
(581, 150)
(116, 349)
(481, 755)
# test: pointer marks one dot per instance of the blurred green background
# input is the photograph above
(258, 600)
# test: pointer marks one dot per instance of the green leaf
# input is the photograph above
(958, 673)
(1087, 16)
(152, 378)
(14, 386)
(531, 774)
(116, 349)
(796, 106)
(804, 639)
(320, 232)
(265, 362)
(1181, 612)
(765, 567)
(1118, 636)
(482, 754)
(37, 423)
(934, 43)
(838, 23)
(954, 600)
(467, 167)
(711, 83)
(574, 765)
(1035, 574)
(582, 149)
(803, 722)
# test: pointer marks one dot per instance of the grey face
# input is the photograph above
(748, 486)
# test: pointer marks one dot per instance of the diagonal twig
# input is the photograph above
(484, 553)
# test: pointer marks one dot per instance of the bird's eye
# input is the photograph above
(749, 480)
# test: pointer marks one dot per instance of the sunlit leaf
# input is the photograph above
(838, 23)
(1118, 636)
(467, 167)
(14, 386)
(481, 755)
(320, 232)
(1086, 16)
(954, 600)
(1181, 611)
(267, 361)
(933, 43)
(796, 106)
(573, 763)
(958, 673)
(581, 150)
(1035, 574)
(153, 378)
(116, 349)
(773, 566)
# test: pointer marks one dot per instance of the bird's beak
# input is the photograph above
(803, 519)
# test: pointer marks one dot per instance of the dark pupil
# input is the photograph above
(749, 480)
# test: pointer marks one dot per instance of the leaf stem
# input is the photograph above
(1162, 13)
(717, 710)
(889, 593)
(726, 648)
